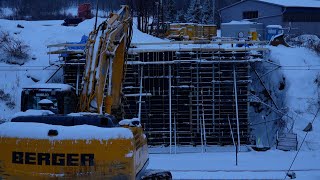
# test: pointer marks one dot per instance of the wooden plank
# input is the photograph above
(66, 45)
(199, 42)
(63, 51)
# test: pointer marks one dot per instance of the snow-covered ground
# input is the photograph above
(272, 164)
(299, 65)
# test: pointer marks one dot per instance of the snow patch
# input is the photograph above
(83, 114)
(274, 26)
(45, 101)
(33, 112)
(81, 132)
(129, 155)
(240, 22)
(61, 87)
(135, 122)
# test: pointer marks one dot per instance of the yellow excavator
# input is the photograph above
(56, 139)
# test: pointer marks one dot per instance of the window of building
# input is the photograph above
(250, 14)
(301, 17)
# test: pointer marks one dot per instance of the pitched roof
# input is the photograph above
(284, 3)
(294, 3)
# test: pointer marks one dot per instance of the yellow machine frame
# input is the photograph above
(104, 63)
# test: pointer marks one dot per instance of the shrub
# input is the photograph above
(306, 40)
(11, 104)
(15, 50)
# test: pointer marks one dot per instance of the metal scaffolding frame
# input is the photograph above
(175, 79)
(189, 93)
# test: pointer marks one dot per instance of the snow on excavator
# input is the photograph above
(55, 138)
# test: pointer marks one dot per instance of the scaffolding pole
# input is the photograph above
(234, 143)
(236, 99)
(175, 134)
(140, 95)
(78, 79)
(203, 124)
(170, 120)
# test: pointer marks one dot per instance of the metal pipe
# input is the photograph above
(78, 77)
(203, 124)
(198, 101)
(189, 61)
(140, 95)
(170, 121)
(199, 42)
(231, 132)
(175, 134)
(213, 108)
(192, 48)
(236, 99)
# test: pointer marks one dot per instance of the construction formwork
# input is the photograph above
(188, 96)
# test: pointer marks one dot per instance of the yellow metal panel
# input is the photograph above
(254, 35)
(117, 74)
(209, 31)
(76, 159)
(45, 158)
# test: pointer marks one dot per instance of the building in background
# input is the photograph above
(221, 4)
(295, 16)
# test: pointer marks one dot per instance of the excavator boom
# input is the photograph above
(105, 58)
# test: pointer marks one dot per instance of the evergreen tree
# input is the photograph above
(171, 11)
(189, 15)
(181, 17)
(194, 13)
(197, 12)
(208, 17)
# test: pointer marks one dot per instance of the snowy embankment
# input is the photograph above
(301, 68)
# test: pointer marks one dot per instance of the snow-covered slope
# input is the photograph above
(301, 68)
(39, 34)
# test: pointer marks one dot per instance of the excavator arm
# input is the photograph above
(105, 59)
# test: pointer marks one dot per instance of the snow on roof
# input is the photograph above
(241, 22)
(82, 114)
(274, 26)
(33, 112)
(81, 132)
(294, 3)
(45, 101)
(62, 87)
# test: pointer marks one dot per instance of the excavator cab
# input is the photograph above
(58, 98)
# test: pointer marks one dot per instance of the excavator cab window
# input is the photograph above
(33, 102)
(64, 102)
